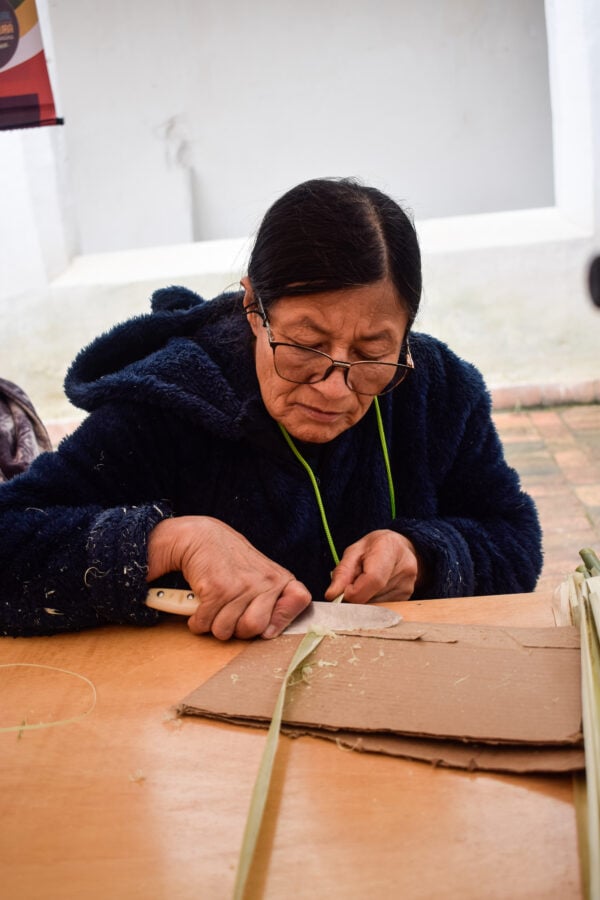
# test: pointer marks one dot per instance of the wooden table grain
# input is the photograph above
(130, 802)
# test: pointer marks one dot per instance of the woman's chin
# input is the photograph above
(314, 432)
(312, 422)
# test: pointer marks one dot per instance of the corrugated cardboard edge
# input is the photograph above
(471, 756)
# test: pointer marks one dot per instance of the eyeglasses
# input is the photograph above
(303, 365)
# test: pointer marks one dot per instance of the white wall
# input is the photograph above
(21, 261)
(506, 289)
(509, 290)
(37, 239)
(185, 120)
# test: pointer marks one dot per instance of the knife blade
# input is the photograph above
(321, 615)
(342, 617)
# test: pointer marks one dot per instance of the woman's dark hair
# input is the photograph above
(329, 234)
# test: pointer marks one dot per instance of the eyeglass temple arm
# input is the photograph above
(257, 308)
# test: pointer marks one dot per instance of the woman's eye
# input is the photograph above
(310, 345)
(370, 357)
(298, 342)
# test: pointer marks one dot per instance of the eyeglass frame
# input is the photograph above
(258, 309)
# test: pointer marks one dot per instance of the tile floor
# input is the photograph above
(556, 451)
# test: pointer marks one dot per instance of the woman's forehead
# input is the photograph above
(373, 309)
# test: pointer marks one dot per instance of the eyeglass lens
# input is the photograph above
(305, 366)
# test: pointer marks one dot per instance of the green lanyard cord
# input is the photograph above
(386, 457)
(313, 479)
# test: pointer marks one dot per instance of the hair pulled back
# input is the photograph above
(328, 234)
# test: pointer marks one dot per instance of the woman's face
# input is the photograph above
(360, 323)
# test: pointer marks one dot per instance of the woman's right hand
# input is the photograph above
(241, 591)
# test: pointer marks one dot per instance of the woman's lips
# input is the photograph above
(320, 415)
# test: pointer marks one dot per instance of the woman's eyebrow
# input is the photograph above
(307, 324)
(371, 338)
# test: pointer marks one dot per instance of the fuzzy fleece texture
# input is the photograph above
(176, 426)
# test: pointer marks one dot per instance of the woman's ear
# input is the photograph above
(248, 300)
(254, 319)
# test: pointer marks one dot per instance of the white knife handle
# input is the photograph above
(172, 600)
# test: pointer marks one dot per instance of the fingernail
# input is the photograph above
(270, 632)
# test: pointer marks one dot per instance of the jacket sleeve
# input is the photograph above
(74, 530)
(483, 535)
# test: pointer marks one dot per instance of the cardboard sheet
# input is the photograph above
(505, 699)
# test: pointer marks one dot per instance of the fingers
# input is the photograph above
(371, 572)
(267, 614)
(346, 572)
(239, 587)
(225, 597)
(381, 566)
(343, 576)
(290, 604)
(367, 586)
(221, 621)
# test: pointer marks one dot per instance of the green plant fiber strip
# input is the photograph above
(590, 558)
(261, 786)
(584, 601)
(591, 712)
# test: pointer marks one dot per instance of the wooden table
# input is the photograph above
(128, 802)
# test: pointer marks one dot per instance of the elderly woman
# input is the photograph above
(290, 441)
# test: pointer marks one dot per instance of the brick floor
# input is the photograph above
(556, 451)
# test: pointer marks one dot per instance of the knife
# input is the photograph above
(321, 615)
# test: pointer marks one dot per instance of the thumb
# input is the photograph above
(293, 600)
(343, 575)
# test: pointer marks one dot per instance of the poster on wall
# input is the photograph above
(26, 99)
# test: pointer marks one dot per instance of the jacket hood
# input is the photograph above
(189, 355)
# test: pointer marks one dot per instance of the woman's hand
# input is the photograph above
(383, 565)
(242, 593)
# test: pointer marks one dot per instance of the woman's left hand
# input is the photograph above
(383, 565)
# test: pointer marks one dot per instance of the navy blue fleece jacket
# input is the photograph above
(177, 427)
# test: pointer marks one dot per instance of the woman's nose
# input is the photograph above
(334, 384)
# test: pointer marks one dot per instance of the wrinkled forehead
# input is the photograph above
(370, 309)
